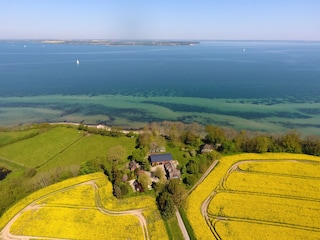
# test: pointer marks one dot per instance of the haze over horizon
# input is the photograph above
(192, 20)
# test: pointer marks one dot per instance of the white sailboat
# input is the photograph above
(78, 62)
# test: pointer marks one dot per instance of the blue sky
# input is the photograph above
(161, 19)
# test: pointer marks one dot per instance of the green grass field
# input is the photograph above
(35, 151)
(57, 147)
(10, 136)
(90, 147)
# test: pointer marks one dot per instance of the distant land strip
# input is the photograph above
(123, 42)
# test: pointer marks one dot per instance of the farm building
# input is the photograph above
(160, 159)
(137, 186)
(207, 148)
(171, 170)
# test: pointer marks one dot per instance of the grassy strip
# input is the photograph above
(187, 224)
(173, 229)
(168, 228)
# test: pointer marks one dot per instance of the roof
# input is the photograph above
(160, 157)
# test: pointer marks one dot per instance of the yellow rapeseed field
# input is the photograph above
(296, 167)
(155, 223)
(82, 195)
(239, 206)
(242, 206)
(254, 231)
(42, 193)
(274, 184)
(75, 223)
(84, 208)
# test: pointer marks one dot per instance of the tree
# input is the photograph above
(116, 154)
(159, 173)
(190, 180)
(291, 143)
(192, 167)
(215, 135)
(116, 176)
(311, 145)
(261, 144)
(116, 191)
(190, 139)
(166, 205)
(124, 190)
(177, 190)
(90, 166)
(144, 180)
(144, 139)
(138, 154)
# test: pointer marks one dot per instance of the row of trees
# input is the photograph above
(243, 141)
(227, 140)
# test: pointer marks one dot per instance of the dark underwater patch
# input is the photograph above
(247, 115)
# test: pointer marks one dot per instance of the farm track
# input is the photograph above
(263, 222)
(9, 161)
(238, 169)
(212, 219)
(6, 235)
(212, 166)
(235, 167)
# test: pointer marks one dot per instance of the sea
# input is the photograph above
(187, 83)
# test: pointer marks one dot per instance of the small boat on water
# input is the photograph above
(78, 62)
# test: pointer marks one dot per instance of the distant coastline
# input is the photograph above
(123, 42)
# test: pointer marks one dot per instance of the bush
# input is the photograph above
(190, 180)
(192, 167)
(124, 190)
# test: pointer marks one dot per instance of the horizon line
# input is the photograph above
(154, 39)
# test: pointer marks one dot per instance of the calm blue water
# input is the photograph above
(210, 70)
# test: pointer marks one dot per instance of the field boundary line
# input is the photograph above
(61, 151)
(274, 195)
(9, 161)
(264, 222)
(276, 174)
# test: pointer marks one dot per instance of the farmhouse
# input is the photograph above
(207, 148)
(160, 159)
(137, 186)
(171, 170)
(155, 148)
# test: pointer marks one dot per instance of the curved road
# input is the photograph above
(6, 235)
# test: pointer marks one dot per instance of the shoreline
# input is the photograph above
(98, 126)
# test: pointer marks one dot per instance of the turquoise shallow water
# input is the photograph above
(248, 75)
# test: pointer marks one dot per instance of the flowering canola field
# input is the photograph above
(258, 196)
(82, 208)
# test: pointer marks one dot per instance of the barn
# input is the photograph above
(160, 159)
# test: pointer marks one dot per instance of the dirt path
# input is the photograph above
(182, 226)
(212, 166)
(223, 187)
(6, 235)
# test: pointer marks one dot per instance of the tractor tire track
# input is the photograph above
(6, 235)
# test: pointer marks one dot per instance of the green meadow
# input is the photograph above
(270, 115)
(53, 147)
